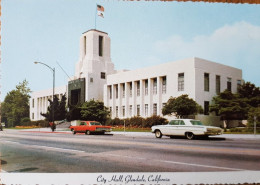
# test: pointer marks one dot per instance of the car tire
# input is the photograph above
(73, 131)
(158, 134)
(172, 137)
(189, 135)
(87, 132)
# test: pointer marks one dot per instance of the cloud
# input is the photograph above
(237, 45)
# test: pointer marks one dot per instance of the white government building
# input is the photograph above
(138, 92)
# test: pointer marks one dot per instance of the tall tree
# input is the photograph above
(229, 106)
(95, 111)
(236, 106)
(16, 105)
(60, 109)
(250, 94)
(181, 106)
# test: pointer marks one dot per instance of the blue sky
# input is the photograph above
(142, 34)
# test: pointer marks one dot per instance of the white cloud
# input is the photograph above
(237, 45)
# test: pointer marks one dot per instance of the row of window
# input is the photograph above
(130, 110)
(137, 83)
(217, 79)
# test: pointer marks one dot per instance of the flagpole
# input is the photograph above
(96, 17)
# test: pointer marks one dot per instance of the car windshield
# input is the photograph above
(195, 122)
(95, 123)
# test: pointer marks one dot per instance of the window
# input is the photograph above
(85, 45)
(116, 91)
(229, 84)
(82, 123)
(155, 109)
(146, 109)
(206, 82)
(239, 83)
(103, 75)
(91, 80)
(100, 46)
(123, 111)
(164, 85)
(110, 109)
(155, 86)
(206, 107)
(32, 115)
(146, 87)
(217, 84)
(138, 88)
(130, 86)
(176, 122)
(138, 110)
(110, 92)
(116, 111)
(181, 82)
(33, 103)
(123, 87)
(130, 110)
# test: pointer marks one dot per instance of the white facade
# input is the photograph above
(39, 101)
(94, 59)
(153, 86)
(139, 92)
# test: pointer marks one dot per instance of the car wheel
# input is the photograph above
(189, 135)
(172, 137)
(73, 131)
(87, 132)
(158, 134)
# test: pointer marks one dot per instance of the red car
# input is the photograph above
(89, 127)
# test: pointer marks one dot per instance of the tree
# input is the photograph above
(254, 112)
(229, 106)
(236, 106)
(60, 110)
(95, 111)
(16, 105)
(181, 106)
(250, 94)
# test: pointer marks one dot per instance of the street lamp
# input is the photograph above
(53, 91)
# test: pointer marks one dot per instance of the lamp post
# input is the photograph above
(53, 92)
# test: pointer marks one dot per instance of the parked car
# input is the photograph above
(185, 127)
(89, 127)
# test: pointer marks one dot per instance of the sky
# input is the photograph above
(143, 33)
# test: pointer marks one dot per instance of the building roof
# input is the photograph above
(95, 30)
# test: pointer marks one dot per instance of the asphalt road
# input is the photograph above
(62, 152)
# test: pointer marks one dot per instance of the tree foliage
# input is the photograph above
(229, 106)
(254, 113)
(236, 106)
(95, 111)
(16, 105)
(59, 106)
(181, 106)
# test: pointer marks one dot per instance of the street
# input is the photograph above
(62, 152)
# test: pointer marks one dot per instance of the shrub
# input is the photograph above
(25, 121)
(154, 120)
(136, 121)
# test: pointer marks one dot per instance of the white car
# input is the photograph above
(185, 127)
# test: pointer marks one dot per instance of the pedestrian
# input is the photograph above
(53, 126)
